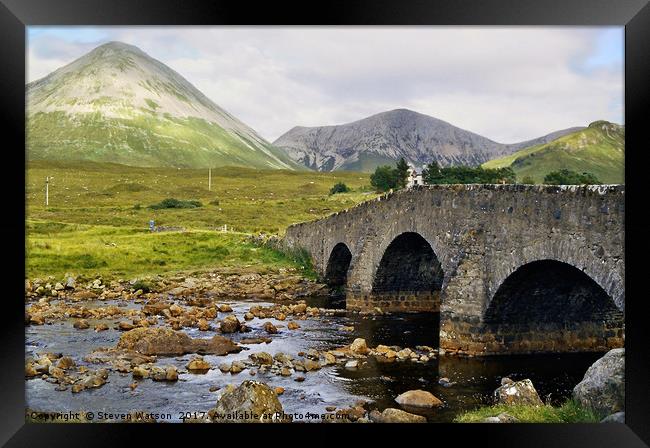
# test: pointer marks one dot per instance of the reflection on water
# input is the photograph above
(475, 378)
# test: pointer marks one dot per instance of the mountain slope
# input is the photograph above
(117, 104)
(387, 136)
(598, 149)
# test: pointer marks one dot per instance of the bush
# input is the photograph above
(339, 187)
(568, 177)
(137, 207)
(433, 174)
(528, 180)
(175, 203)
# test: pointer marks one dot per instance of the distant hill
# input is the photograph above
(386, 137)
(118, 104)
(598, 149)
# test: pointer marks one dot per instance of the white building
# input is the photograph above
(414, 177)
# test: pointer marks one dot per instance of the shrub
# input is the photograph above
(568, 177)
(528, 180)
(339, 187)
(175, 203)
(433, 174)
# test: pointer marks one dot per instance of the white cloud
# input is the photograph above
(508, 84)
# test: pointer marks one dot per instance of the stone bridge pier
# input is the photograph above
(510, 268)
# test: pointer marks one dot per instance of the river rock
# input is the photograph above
(418, 398)
(168, 342)
(251, 402)
(293, 325)
(236, 367)
(230, 324)
(310, 365)
(261, 358)
(617, 417)
(225, 308)
(359, 347)
(81, 324)
(392, 415)
(203, 325)
(518, 392)
(65, 362)
(101, 327)
(603, 387)
(270, 328)
(501, 418)
(125, 326)
(198, 364)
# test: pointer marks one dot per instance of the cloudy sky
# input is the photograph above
(506, 83)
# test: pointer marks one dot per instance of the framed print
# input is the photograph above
(383, 213)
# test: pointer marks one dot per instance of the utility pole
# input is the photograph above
(209, 179)
(47, 191)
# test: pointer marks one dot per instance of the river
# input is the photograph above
(474, 379)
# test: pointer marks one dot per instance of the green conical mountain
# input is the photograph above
(117, 104)
(598, 149)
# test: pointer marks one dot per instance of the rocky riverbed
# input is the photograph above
(181, 349)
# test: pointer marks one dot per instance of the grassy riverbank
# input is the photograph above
(569, 412)
(98, 217)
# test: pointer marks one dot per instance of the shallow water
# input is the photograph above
(475, 378)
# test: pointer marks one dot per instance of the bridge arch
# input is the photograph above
(409, 271)
(550, 303)
(338, 265)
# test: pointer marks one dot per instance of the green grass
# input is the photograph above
(595, 150)
(98, 218)
(569, 412)
(128, 252)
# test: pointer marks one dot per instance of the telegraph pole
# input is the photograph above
(47, 191)
(209, 179)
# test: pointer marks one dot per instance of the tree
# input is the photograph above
(402, 172)
(431, 173)
(568, 177)
(339, 187)
(384, 178)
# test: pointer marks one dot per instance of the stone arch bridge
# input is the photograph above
(510, 268)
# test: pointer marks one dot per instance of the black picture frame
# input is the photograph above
(15, 15)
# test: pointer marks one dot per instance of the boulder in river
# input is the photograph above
(198, 364)
(359, 347)
(603, 387)
(392, 415)
(168, 342)
(270, 328)
(230, 324)
(418, 398)
(517, 392)
(250, 402)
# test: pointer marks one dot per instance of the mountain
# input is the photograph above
(598, 149)
(385, 137)
(118, 104)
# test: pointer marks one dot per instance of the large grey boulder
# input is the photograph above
(603, 387)
(251, 402)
